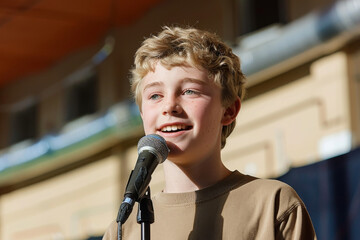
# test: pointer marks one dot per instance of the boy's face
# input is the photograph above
(184, 106)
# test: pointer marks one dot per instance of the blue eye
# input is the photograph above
(189, 92)
(154, 97)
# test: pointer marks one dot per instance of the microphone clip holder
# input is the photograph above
(145, 214)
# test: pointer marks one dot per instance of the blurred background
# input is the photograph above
(69, 128)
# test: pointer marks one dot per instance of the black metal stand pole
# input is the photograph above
(145, 215)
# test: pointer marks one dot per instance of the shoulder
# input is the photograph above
(271, 188)
(273, 199)
(266, 194)
(265, 187)
(292, 220)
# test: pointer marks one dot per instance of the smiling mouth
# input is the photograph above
(175, 128)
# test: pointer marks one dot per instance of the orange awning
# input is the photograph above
(36, 33)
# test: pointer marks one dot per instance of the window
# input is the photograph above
(82, 98)
(257, 14)
(24, 123)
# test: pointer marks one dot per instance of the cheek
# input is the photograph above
(147, 118)
(208, 114)
(215, 117)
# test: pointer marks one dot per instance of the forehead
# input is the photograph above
(174, 74)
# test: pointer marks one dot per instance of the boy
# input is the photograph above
(189, 85)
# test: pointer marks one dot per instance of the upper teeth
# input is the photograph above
(172, 128)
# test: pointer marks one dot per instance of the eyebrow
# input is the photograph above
(194, 80)
(153, 84)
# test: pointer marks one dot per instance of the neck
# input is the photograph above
(179, 178)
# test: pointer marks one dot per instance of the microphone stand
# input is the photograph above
(145, 215)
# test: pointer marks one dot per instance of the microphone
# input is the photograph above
(152, 150)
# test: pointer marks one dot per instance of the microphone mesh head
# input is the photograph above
(156, 142)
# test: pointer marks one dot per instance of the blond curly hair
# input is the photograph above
(177, 46)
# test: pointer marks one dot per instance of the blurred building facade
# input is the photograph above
(69, 132)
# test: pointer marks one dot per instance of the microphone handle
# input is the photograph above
(138, 183)
(141, 176)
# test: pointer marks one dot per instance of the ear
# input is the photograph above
(231, 112)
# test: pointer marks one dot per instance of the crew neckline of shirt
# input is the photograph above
(234, 180)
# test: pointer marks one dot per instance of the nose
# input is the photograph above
(171, 106)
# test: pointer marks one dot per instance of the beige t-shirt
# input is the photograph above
(240, 207)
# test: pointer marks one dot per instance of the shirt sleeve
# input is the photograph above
(295, 224)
